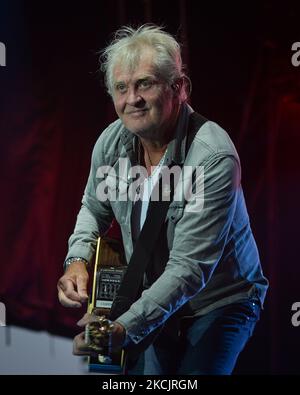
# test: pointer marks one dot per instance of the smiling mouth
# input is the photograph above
(137, 112)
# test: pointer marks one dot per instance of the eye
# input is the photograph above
(121, 87)
(146, 84)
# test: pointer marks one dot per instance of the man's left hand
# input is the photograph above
(117, 337)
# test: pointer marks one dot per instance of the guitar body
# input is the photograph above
(109, 269)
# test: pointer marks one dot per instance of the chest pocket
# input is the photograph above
(175, 212)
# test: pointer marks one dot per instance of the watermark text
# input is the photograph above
(296, 55)
(2, 314)
(296, 316)
(2, 55)
(133, 183)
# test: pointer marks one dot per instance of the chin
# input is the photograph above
(138, 131)
(141, 130)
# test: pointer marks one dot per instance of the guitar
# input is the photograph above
(109, 269)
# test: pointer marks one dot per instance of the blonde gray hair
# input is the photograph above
(126, 47)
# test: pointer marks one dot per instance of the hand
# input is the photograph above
(72, 286)
(117, 337)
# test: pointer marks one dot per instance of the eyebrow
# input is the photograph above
(146, 78)
(141, 79)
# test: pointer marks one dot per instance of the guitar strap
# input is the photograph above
(131, 285)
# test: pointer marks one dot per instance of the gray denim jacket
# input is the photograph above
(213, 258)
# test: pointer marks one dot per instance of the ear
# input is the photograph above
(177, 85)
(177, 88)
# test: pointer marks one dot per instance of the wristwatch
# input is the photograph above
(74, 259)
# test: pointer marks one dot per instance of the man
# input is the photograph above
(205, 286)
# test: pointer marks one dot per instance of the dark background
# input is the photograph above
(53, 107)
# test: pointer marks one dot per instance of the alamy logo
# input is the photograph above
(296, 316)
(296, 56)
(130, 183)
(2, 55)
(2, 314)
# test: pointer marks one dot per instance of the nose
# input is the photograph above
(134, 99)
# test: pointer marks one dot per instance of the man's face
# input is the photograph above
(143, 102)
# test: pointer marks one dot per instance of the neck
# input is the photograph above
(154, 147)
(151, 151)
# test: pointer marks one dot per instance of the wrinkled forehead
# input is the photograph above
(134, 62)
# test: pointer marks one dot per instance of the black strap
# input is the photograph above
(133, 277)
(195, 122)
(140, 259)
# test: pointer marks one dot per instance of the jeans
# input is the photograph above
(207, 345)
